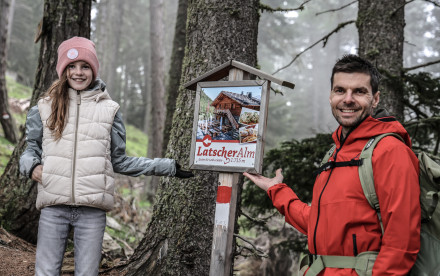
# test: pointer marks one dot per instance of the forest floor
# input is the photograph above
(18, 257)
(125, 225)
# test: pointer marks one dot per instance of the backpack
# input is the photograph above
(428, 259)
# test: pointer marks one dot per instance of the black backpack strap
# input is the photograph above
(331, 164)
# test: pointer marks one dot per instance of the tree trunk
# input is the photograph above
(157, 84)
(6, 119)
(380, 25)
(61, 20)
(11, 20)
(109, 30)
(157, 80)
(175, 72)
(179, 237)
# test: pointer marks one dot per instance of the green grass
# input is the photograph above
(137, 141)
(16, 90)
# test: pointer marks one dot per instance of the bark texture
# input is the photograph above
(175, 71)
(6, 119)
(380, 25)
(61, 20)
(178, 239)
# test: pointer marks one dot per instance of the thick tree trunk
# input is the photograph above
(178, 239)
(175, 71)
(61, 20)
(6, 119)
(380, 25)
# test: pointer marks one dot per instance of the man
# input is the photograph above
(340, 221)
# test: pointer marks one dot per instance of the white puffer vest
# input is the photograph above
(77, 169)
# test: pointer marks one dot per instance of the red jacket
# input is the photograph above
(339, 209)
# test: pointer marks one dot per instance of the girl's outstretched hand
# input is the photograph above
(182, 173)
(264, 182)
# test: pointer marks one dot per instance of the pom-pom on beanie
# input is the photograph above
(75, 49)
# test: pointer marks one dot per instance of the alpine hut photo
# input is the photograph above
(229, 114)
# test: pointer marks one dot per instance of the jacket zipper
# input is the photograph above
(78, 103)
(355, 249)
(342, 139)
(319, 204)
(322, 191)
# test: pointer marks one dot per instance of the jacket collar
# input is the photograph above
(370, 127)
(96, 93)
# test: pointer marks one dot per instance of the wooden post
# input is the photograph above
(222, 253)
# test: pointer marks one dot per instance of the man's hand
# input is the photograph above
(37, 173)
(264, 182)
(181, 173)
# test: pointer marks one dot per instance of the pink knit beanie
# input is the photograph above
(74, 49)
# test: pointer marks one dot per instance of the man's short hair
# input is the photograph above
(355, 64)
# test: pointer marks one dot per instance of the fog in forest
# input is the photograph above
(298, 113)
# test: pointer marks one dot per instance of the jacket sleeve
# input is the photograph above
(31, 156)
(135, 166)
(396, 179)
(290, 206)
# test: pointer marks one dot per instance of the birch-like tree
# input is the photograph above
(6, 119)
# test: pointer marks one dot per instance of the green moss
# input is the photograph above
(373, 53)
(234, 12)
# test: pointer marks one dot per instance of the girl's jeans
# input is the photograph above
(55, 222)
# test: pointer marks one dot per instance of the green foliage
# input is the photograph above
(422, 110)
(205, 105)
(6, 149)
(298, 159)
(137, 141)
(125, 234)
(17, 90)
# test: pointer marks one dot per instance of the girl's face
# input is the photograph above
(79, 75)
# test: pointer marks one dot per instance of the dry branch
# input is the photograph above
(324, 40)
(254, 249)
(433, 2)
(421, 65)
(258, 221)
(338, 9)
(270, 9)
(404, 4)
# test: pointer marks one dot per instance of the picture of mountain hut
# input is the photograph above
(228, 105)
(227, 109)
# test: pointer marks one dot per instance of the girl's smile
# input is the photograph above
(79, 75)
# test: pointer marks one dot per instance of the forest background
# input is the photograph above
(135, 46)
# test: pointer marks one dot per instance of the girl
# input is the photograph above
(75, 142)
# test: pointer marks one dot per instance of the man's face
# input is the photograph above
(352, 99)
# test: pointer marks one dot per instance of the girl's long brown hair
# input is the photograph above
(58, 93)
